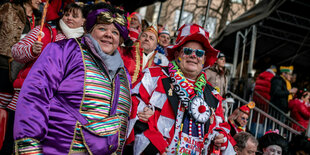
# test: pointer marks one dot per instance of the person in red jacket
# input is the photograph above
(300, 110)
(262, 87)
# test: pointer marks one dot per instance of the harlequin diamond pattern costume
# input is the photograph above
(188, 114)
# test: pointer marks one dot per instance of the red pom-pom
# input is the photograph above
(202, 109)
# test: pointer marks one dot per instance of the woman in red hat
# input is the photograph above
(188, 116)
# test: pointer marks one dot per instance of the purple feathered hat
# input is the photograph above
(106, 16)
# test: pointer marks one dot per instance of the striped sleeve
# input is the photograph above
(22, 51)
(60, 36)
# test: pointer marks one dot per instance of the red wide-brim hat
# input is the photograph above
(194, 32)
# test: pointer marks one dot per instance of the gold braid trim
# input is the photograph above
(138, 62)
(151, 60)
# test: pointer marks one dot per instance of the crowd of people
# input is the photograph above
(277, 89)
(95, 79)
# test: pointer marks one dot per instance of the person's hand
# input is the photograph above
(37, 47)
(146, 114)
(293, 90)
(219, 140)
(165, 153)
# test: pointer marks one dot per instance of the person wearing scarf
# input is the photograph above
(187, 112)
(28, 49)
(76, 98)
(281, 91)
(163, 41)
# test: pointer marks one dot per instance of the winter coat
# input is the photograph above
(299, 112)
(262, 87)
(279, 93)
(65, 73)
(218, 79)
(12, 23)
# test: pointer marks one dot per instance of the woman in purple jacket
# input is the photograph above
(76, 98)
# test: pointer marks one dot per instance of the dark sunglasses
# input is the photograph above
(188, 51)
(245, 119)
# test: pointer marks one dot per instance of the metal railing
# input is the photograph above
(270, 122)
(280, 111)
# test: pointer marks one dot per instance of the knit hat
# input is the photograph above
(194, 32)
(221, 55)
(163, 30)
(286, 69)
(247, 108)
(106, 15)
(273, 68)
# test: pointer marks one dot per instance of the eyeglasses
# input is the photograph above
(244, 119)
(188, 51)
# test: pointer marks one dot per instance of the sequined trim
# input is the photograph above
(138, 63)
(28, 146)
(97, 100)
(105, 127)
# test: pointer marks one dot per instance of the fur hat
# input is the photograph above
(221, 55)
(273, 139)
